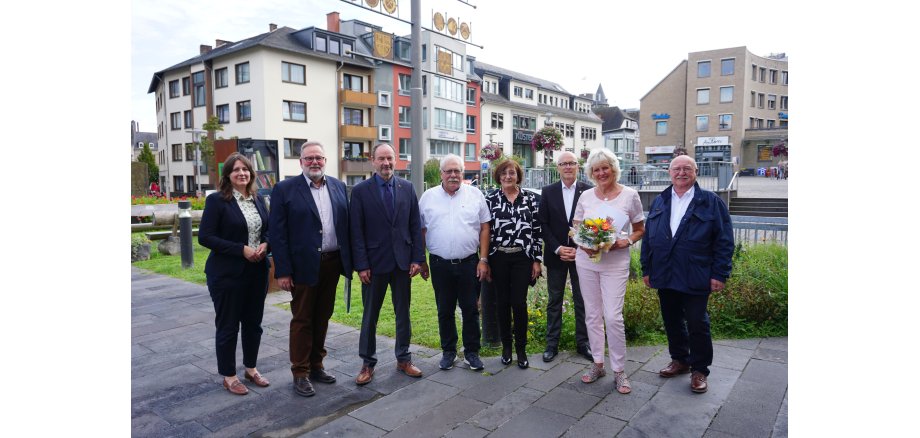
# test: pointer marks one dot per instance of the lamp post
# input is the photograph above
(196, 137)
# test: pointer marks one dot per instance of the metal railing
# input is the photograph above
(757, 229)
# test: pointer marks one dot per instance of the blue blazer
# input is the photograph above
(223, 230)
(554, 222)
(297, 231)
(381, 244)
(701, 249)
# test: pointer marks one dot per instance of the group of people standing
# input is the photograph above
(316, 234)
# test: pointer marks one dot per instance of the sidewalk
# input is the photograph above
(176, 391)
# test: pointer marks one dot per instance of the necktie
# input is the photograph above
(388, 200)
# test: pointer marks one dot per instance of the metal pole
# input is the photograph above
(417, 166)
(185, 234)
(198, 165)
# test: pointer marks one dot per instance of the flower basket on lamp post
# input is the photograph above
(490, 152)
(547, 138)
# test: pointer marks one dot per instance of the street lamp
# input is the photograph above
(196, 133)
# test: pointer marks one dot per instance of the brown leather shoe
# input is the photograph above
(408, 368)
(674, 368)
(365, 376)
(698, 382)
(236, 387)
(320, 375)
(257, 379)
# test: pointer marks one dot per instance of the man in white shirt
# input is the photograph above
(455, 228)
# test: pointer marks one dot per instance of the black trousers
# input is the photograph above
(555, 285)
(686, 323)
(454, 281)
(372, 296)
(238, 307)
(511, 277)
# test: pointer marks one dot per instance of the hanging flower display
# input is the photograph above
(490, 152)
(585, 153)
(548, 138)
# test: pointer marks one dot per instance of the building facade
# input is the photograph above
(725, 105)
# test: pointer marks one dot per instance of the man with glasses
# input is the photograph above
(687, 254)
(308, 233)
(387, 247)
(557, 204)
(455, 228)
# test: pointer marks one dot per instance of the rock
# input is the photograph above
(169, 246)
(141, 252)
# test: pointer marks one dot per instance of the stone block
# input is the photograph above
(535, 421)
(467, 431)
(781, 356)
(622, 406)
(594, 425)
(673, 416)
(501, 384)
(554, 377)
(405, 405)
(642, 354)
(750, 410)
(781, 428)
(730, 357)
(345, 427)
(505, 408)
(568, 402)
(747, 344)
(462, 378)
(646, 377)
(720, 380)
(766, 372)
(775, 343)
(440, 420)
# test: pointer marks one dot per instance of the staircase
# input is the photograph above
(768, 207)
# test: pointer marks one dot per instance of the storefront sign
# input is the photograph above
(659, 150)
(662, 116)
(447, 135)
(712, 141)
(521, 136)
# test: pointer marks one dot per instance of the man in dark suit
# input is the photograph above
(687, 254)
(310, 248)
(557, 205)
(388, 250)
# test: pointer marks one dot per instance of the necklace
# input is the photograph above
(607, 196)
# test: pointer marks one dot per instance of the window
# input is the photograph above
(319, 43)
(498, 121)
(588, 133)
(785, 77)
(294, 111)
(784, 102)
(725, 122)
(763, 74)
(771, 124)
(661, 127)
(726, 94)
(570, 131)
(439, 148)
(753, 98)
(292, 147)
(353, 116)
(728, 66)
(404, 149)
(220, 78)
(404, 81)
(470, 152)
(177, 153)
(173, 88)
(186, 86)
(179, 183)
(772, 76)
(175, 121)
(450, 120)
(470, 124)
(753, 123)
(424, 52)
(703, 68)
(223, 113)
(333, 46)
(293, 73)
(524, 122)
(753, 72)
(403, 50)
(243, 111)
(518, 91)
(352, 82)
(760, 98)
(198, 87)
(189, 152)
(702, 123)
(384, 98)
(242, 73)
(424, 85)
(470, 96)
(384, 132)
(353, 149)
(188, 119)
(192, 184)
(448, 89)
(771, 101)
(783, 124)
(702, 96)
(528, 94)
(404, 119)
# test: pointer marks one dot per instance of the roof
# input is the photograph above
(283, 38)
(505, 73)
(540, 108)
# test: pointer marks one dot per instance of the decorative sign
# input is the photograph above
(439, 21)
(447, 135)
(390, 6)
(661, 116)
(659, 150)
(383, 45)
(465, 31)
(712, 141)
(372, 3)
(452, 26)
(764, 152)
(523, 136)
(445, 63)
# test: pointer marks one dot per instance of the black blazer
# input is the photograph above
(554, 221)
(378, 243)
(223, 230)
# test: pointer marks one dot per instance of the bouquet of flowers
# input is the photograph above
(490, 152)
(597, 234)
(548, 138)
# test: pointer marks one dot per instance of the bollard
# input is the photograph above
(489, 312)
(185, 234)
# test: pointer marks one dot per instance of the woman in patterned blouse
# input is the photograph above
(515, 255)
(233, 226)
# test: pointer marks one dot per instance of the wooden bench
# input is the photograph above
(160, 235)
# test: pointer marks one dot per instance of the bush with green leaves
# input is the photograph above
(137, 240)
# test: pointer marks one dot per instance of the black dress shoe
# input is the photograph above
(585, 351)
(506, 355)
(549, 355)
(522, 359)
(321, 375)
(302, 386)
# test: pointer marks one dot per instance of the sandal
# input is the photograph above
(596, 371)
(622, 382)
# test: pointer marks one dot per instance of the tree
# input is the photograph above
(146, 156)
(432, 172)
(206, 144)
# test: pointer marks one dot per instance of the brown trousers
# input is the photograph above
(311, 308)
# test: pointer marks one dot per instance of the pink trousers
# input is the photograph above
(603, 292)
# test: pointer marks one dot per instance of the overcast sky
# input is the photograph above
(625, 46)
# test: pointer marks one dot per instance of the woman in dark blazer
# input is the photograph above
(234, 227)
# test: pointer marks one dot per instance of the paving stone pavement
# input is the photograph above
(176, 391)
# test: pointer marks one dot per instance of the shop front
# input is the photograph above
(521, 146)
(711, 150)
(659, 154)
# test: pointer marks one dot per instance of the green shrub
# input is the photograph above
(137, 240)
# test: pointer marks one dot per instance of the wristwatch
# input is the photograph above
(484, 260)
(630, 241)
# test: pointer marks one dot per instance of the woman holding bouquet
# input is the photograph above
(603, 280)
(515, 255)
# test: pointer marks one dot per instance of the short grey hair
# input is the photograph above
(599, 156)
(692, 161)
(559, 157)
(307, 144)
(445, 159)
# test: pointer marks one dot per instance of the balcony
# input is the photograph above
(357, 165)
(355, 132)
(357, 98)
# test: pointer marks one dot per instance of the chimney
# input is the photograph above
(332, 22)
(219, 43)
(204, 48)
(272, 27)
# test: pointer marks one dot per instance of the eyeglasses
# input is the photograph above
(568, 164)
(313, 159)
(686, 169)
(452, 171)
